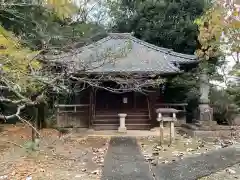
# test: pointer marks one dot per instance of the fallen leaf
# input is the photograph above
(84, 170)
(4, 177)
(230, 171)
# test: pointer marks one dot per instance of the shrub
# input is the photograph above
(225, 108)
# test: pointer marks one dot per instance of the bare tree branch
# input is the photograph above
(19, 109)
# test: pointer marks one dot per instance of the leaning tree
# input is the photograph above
(23, 79)
(29, 73)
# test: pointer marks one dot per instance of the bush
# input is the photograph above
(225, 108)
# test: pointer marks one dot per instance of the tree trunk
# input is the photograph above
(35, 124)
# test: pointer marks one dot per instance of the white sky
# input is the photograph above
(97, 12)
(224, 70)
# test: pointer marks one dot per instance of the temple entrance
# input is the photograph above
(108, 105)
(120, 102)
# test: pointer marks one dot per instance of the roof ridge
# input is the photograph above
(161, 49)
(98, 42)
(120, 34)
(152, 46)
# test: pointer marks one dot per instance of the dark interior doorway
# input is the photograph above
(129, 101)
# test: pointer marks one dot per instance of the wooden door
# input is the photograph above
(106, 100)
(141, 101)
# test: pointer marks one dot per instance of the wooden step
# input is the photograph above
(110, 120)
(116, 114)
(116, 121)
(116, 118)
(137, 119)
(115, 126)
(128, 115)
(119, 111)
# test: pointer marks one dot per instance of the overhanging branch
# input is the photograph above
(19, 109)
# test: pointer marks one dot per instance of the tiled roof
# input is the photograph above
(121, 52)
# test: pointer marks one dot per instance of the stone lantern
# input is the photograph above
(167, 115)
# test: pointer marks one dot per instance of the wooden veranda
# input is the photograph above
(101, 111)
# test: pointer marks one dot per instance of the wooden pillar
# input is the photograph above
(94, 102)
(91, 107)
(134, 100)
(152, 101)
(58, 117)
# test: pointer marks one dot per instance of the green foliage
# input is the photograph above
(26, 30)
(183, 87)
(210, 31)
(234, 92)
(40, 27)
(16, 61)
(166, 23)
(63, 8)
(32, 145)
(224, 106)
(30, 27)
(218, 27)
(236, 69)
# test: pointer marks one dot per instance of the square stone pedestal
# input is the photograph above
(122, 130)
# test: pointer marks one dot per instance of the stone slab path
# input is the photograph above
(124, 161)
(193, 168)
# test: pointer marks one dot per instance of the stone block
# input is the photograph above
(122, 130)
(218, 131)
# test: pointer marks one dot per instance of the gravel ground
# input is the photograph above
(199, 166)
(231, 173)
(183, 147)
(74, 156)
(69, 157)
(124, 161)
(189, 149)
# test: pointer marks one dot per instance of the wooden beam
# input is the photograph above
(71, 105)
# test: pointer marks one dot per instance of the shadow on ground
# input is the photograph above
(124, 161)
(193, 168)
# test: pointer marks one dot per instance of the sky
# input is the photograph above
(225, 70)
(96, 10)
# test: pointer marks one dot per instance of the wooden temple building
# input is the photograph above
(117, 74)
